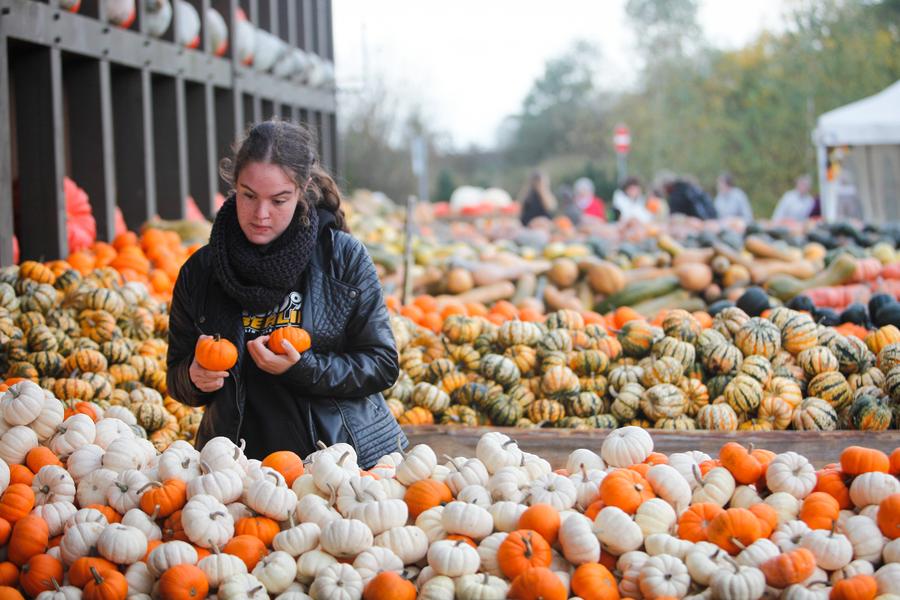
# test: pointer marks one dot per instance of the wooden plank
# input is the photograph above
(170, 146)
(201, 133)
(555, 445)
(226, 103)
(6, 190)
(133, 137)
(37, 77)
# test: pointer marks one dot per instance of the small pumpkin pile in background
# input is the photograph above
(683, 371)
(94, 342)
(90, 510)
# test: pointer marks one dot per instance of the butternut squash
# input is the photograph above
(694, 277)
(839, 272)
(677, 299)
(605, 277)
(694, 255)
(640, 291)
(763, 270)
(762, 248)
(486, 294)
(557, 300)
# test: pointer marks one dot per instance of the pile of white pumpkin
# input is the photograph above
(335, 513)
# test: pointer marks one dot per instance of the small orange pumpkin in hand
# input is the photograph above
(297, 336)
(215, 353)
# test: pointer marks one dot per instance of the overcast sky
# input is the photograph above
(469, 63)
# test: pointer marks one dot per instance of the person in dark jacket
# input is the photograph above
(280, 255)
(536, 198)
(689, 199)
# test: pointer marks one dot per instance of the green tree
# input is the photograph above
(446, 184)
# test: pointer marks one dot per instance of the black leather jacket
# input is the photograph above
(338, 382)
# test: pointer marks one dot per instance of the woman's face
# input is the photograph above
(266, 200)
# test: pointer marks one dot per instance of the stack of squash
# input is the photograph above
(93, 341)
(89, 510)
(728, 372)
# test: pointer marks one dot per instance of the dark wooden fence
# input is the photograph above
(137, 121)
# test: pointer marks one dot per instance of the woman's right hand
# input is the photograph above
(206, 380)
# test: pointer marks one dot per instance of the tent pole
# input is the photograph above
(826, 198)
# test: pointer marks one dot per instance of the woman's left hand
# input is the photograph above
(268, 361)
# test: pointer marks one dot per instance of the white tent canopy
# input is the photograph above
(868, 183)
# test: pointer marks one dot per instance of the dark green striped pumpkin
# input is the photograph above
(504, 412)
(709, 339)
(723, 359)
(589, 362)
(869, 412)
(681, 325)
(798, 333)
(679, 423)
(105, 299)
(892, 384)
(696, 395)
(101, 383)
(524, 356)
(832, 387)
(743, 394)
(758, 367)
(662, 370)
(627, 401)
(584, 404)
(516, 332)
(637, 338)
(871, 376)
(758, 337)
(603, 421)
(596, 384)
(117, 351)
(729, 321)
(852, 354)
(460, 415)
(716, 384)
(521, 394)
(565, 319)
(42, 337)
(559, 382)
(625, 374)
(459, 329)
(557, 340)
(466, 357)
(483, 344)
(48, 363)
(814, 414)
(817, 359)
(663, 400)
(438, 368)
(500, 369)
(889, 357)
(545, 410)
(717, 417)
(683, 352)
(431, 397)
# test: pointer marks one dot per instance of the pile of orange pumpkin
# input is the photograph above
(88, 510)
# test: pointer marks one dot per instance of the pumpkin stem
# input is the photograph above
(343, 457)
(54, 583)
(485, 580)
(452, 462)
(204, 468)
(97, 579)
(150, 484)
(526, 541)
(400, 444)
(321, 445)
(359, 497)
(215, 547)
(738, 543)
(217, 337)
(218, 513)
(695, 469)
(255, 590)
(271, 474)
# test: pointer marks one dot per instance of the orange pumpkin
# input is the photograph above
(109, 512)
(592, 581)
(183, 582)
(5, 531)
(16, 502)
(819, 510)
(9, 574)
(789, 568)
(30, 536)
(625, 489)
(41, 456)
(260, 527)
(734, 530)
(694, 522)
(426, 494)
(388, 585)
(287, 463)
(164, 498)
(458, 537)
(834, 483)
(856, 460)
(542, 518)
(80, 571)
(745, 467)
(296, 336)
(768, 518)
(895, 462)
(172, 528)
(40, 574)
(110, 585)
(521, 550)
(246, 547)
(10, 593)
(215, 353)
(537, 583)
(858, 587)
(889, 516)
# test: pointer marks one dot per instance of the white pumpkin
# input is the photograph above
(79, 540)
(832, 550)
(497, 450)
(800, 591)
(757, 553)
(629, 566)
(53, 483)
(664, 575)
(870, 511)
(417, 464)
(87, 515)
(330, 473)
(393, 489)
(76, 431)
(535, 466)
(856, 567)
(207, 522)
(125, 491)
(508, 483)
(51, 417)
(409, 543)
(626, 446)
(122, 544)
(121, 413)
(578, 541)
(587, 486)
(583, 459)
(872, 488)
(94, 488)
(345, 538)
(617, 531)
(865, 537)
(356, 491)
(655, 516)
(430, 522)
(17, 442)
(786, 506)
(663, 543)
(717, 486)
(506, 515)
(788, 535)
(276, 571)
(335, 452)
(684, 463)
(22, 403)
(791, 473)
(744, 497)
(487, 551)
(481, 586)
(704, 560)
(225, 485)
(440, 473)
(311, 563)
(475, 494)
(891, 552)
(453, 558)
(295, 591)
(4, 475)
(305, 484)
(145, 523)
(315, 509)
(139, 578)
(271, 500)
(553, 489)
(220, 454)
(375, 560)
(337, 582)
(381, 515)
(386, 466)
(297, 539)
(112, 430)
(169, 554)
(671, 486)
(464, 473)
(243, 586)
(742, 583)
(65, 592)
(85, 461)
(179, 462)
(438, 587)
(467, 519)
(123, 454)
(888, 578)
(256, 472)
(56, 515)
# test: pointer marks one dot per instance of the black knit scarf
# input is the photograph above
(259, 277)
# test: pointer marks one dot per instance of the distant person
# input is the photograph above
(537, 199)
(731, 201)
(586, 201)
(796, 204)
(688, 199)
(565, 196)
(628, 202)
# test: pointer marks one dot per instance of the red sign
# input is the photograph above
(622, 139)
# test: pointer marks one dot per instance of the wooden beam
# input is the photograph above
(37, 77)
(133, 137)
(201, 135)
(6, 142)
(170, 148)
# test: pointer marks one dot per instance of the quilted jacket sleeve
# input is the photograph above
(369, 363)
(183, 336)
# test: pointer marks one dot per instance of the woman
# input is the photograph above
(586, 201)
(280, 255)
(537, 199)
(629, 204)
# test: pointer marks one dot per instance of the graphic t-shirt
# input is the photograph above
(272, 416)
